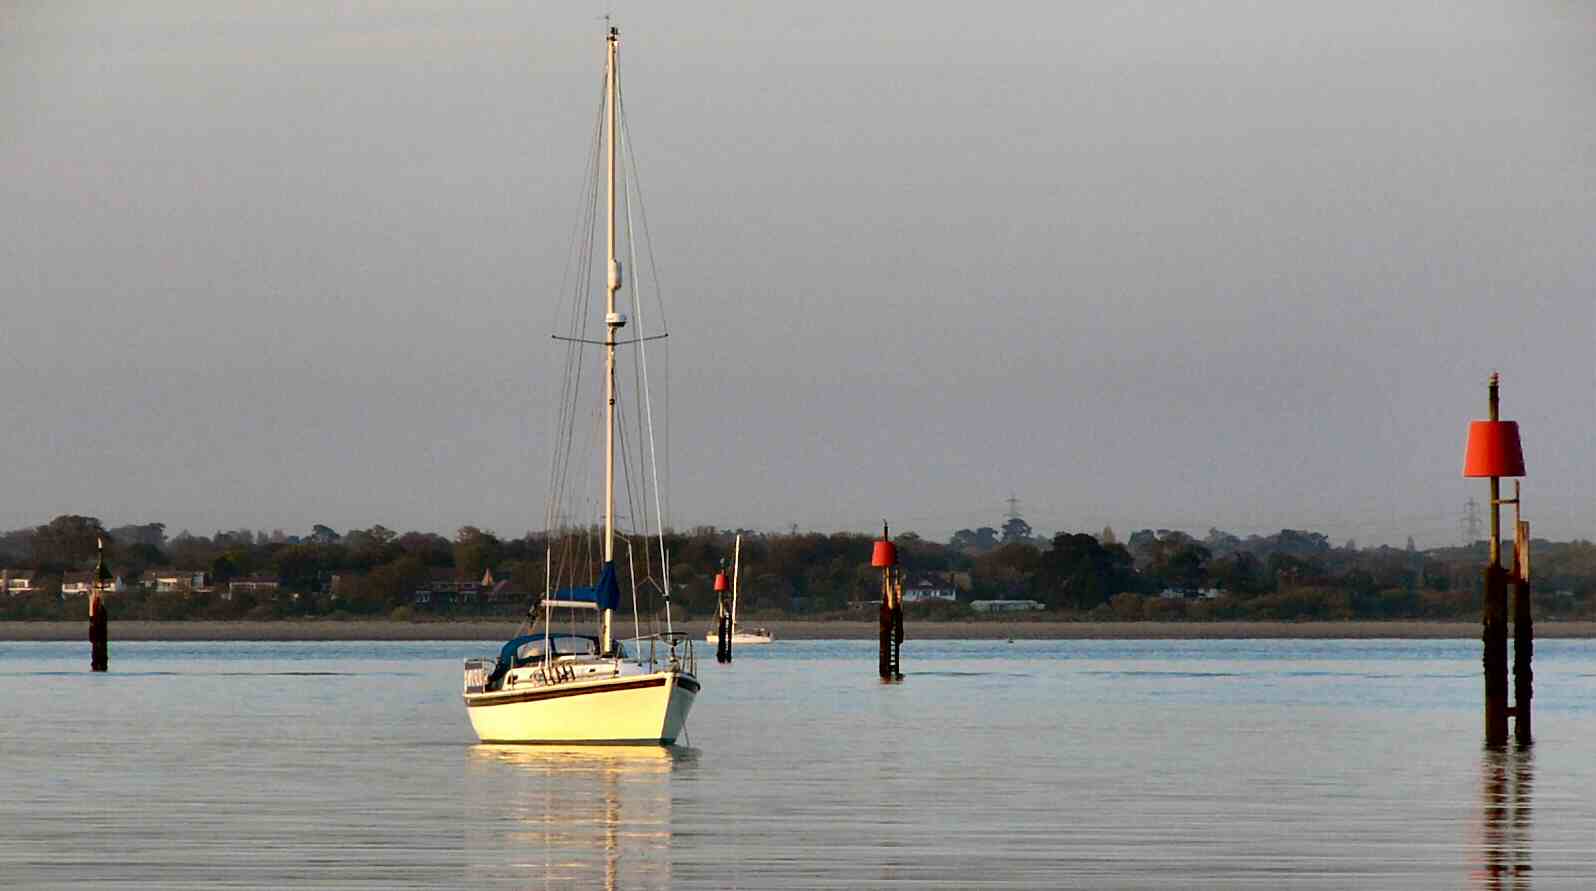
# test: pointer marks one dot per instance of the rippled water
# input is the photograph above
(1157, 764)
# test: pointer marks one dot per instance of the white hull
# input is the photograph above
(742, 637)
(637, 709)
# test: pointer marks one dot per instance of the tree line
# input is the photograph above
(1151, 574)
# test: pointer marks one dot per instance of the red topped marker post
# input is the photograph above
(99, 617)
(723, 617)
(1493, 452)
(884, 556)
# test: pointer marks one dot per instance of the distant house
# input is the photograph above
(1004, 606)
(504, 591)
(443, 578)
(253, 584)
(1189, 594)
(19, 581)
(447, 586)
(80, 584)
(434, 599)
(170, 580)
(925, 587)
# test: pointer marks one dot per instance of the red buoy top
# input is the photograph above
(884, 555)
(720, 583)
(1493, 450)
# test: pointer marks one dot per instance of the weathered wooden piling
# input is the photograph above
(1523, 629)
(723, 618)
(1494, 636)
(723, 636)
(99, 616)
(884, 556)
(1494, 452)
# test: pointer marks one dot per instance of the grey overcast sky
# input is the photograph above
(1147, 264)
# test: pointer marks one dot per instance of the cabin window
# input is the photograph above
(531, 651)
(576, 646)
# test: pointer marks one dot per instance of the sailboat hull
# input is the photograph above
(741, 637)
(648, 709)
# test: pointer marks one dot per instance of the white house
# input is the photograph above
(81, 583)
(19, 581)
(927, 587)
(177, 579)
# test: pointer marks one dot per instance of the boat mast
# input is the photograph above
(737, 565)
(612, 322)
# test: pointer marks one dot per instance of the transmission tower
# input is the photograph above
(1014, 527)
(1014, 506)
(1469, 523)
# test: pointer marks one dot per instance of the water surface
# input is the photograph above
(1093, 764)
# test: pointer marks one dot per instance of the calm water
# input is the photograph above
(1207, 764)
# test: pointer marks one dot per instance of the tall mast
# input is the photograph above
(612, 319)
(737, 566)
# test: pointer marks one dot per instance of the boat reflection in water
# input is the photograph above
(570, 816)
(1502, 845)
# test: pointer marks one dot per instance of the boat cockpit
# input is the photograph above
(537, 650)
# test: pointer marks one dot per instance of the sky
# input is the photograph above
(1231, 264)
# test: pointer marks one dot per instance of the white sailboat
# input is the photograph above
(739, 634)
(573, 688)
(742, 636)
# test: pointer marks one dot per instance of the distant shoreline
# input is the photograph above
(788, 629)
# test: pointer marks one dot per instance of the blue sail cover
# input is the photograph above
(604, 595)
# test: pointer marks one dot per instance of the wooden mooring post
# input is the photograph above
(1493, 452)
(884, 556)
(99, 617)
(723, 618)
(1523, 627)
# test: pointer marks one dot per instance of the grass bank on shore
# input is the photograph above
(790, 629)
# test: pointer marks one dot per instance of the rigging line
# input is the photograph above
(580, 254)
(599, 422)
(605, 342)
(565, 428)
(581, 224)
(581, 304)
(634, 296)
(574, 474)
(639, 483)
(648, 403)
(642, 210)
(631, 497)
(662, 484)
(577, 535)
(632, 485)
(574, 354)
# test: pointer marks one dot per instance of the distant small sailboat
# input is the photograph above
(739, 634)
(576, 688)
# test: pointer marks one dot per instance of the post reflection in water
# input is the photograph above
(1502, 849)
(570, 816)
